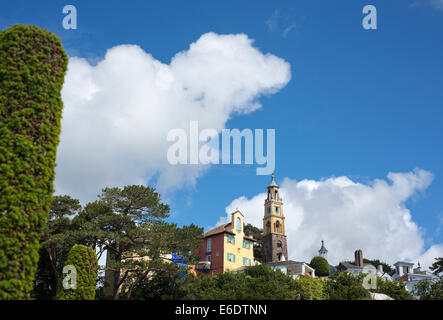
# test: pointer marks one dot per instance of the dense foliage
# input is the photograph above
(84, 260)
(345, 286)
(430, 291)
(320, 265)
(55, 245)
(257, 283)
(129, 223)
(257, 233)
(307, 288)
(32, 68)
(393, 288)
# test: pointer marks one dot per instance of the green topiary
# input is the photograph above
(320, 265)
(32, 68)
(84, 260)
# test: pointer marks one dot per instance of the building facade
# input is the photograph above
(357, 266)
(226, 247)
(274, 241)
(405, 272)
(295, 269)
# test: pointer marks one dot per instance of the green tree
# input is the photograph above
(437, 266)
(258, 234)
(32, 68)
(129, 223)
(392, 288)
(320, 265)
(308, 288)
(346, 286)
(54, 246)
(429, 291)
(256, 283)
(84, 260)
(164, 284)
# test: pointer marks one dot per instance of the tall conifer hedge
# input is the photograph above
(32, 68)
(84, 260)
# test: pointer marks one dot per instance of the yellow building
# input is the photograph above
(226, 247)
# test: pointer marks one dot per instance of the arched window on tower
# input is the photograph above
(238, 224)
(268, 227)
(277, 226)
(279, 244)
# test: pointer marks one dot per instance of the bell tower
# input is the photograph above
(274, 237)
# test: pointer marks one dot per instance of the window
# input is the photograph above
(208, 258)
(277, 209)
(230, 239)
(231, 257)
(269, 209)
(279, 244)
(238, 224)
(209, 245)
(214, 272)
(216, 254)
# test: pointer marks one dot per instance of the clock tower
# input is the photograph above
(274, 237)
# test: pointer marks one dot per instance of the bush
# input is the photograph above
(393, 288)
(345, 286)
(307, 288)
(430, 291)
(32, 68)
(255, 283)
(84, 260)
(320, 265)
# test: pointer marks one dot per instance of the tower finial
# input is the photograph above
(273, 184)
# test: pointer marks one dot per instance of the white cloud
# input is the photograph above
(349, 215)
(117, 113)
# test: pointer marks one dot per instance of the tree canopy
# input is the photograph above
(320, 265)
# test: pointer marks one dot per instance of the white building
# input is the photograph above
(404, 272)
(357, 266)
(292, 268)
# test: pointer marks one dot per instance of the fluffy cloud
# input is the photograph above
(349, 215)
(117, 113)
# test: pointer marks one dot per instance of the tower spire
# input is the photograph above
(273, 184)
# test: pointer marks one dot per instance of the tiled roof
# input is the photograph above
(279, 263)
(217, 230)
(349, 265)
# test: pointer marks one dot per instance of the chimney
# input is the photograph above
(359, 258)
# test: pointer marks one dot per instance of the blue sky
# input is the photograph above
(360, 103)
